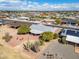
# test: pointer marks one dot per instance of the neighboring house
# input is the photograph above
(39, 28)
(72, 32)
(23, 18)
(15, 24)
(71, 35)
(68, 21)
(12, 16)
(73, 39)
(1, 21)
(48, 21)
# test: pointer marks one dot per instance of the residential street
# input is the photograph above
(56, 50)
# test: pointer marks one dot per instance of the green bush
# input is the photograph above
(41, 42)
(23, 29)
(55, 36)
(27, 46)
(62, 40)
(77, 22)
(58, 21)
(46, 36)
(35, 47)
(32, 46)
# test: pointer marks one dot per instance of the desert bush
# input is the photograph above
(23, 29)
(7, 37)
(46, 36)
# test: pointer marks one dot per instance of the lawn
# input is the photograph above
(7, 53)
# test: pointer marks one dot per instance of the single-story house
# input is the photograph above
(72, 32)
(12, 16)
(1, 21)
(15, 24)
(69, 21)
(71, 35)
(73, 39)
(40, 28)
(23, 18)
(48, 21)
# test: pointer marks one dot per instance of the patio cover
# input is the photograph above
(73, 39)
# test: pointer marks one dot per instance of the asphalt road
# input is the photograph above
(59, 51)
(39, 22)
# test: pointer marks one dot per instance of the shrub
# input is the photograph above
(62, 40)
(55, 36)
(35, 47)
(7, 37)
(27, 46)
(46, 36)
(41, 42)
(32, 46)
(23, 29)
(58, 21)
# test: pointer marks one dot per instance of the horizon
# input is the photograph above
(39, 5)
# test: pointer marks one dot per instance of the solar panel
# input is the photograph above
(71, 32)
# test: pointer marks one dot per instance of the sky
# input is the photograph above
(39, 5)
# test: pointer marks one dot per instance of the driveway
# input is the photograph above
(59, 51)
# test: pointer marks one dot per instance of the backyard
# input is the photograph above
(18, 43)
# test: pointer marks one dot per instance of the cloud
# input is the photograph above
(29, 5)
(50, 7)
(9, 0)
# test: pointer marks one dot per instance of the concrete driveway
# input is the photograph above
(59, 51)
